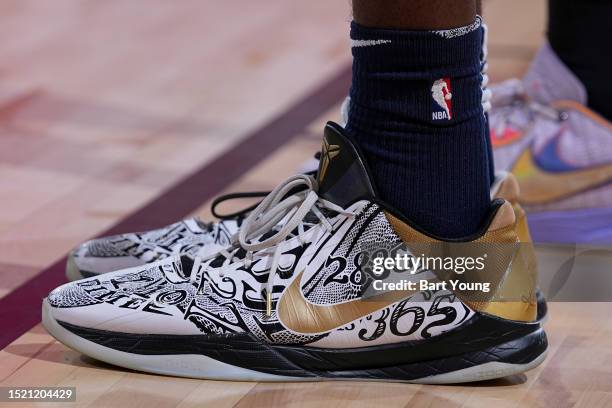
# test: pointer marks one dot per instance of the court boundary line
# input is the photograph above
(20, 310)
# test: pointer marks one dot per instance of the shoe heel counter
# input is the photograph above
(523, 276)
(509, 189)
(521, 279)
(513, 296)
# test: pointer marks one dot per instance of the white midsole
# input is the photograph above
(200, 366)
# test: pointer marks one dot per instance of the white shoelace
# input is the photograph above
(277, 216)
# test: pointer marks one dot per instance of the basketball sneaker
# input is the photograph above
(559, 150)
(192, 238)
(287, 301)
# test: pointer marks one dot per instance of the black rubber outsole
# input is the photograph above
(483, 340)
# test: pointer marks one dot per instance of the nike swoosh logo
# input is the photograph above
(540, 186)
(297, 314)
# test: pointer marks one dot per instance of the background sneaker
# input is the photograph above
(190, 237)
(286, 302)
(559, 150)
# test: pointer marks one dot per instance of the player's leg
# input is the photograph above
(414, 14)
(416, 109)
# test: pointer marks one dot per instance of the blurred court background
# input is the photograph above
(123, 115)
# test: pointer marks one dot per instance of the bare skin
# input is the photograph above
(415, 14)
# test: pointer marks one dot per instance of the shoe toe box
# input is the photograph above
(136, 300)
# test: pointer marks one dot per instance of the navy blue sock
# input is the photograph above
(416, 113)
(490, 157)
(484, 70)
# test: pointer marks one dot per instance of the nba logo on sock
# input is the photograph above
(442, 100)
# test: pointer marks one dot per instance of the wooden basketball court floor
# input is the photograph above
(119, 116)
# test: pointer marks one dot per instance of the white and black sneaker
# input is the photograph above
(292, 299)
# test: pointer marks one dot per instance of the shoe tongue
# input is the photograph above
(343, 177)
(549, 79)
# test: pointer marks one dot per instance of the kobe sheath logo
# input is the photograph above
(442, 100)
(328, 152)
